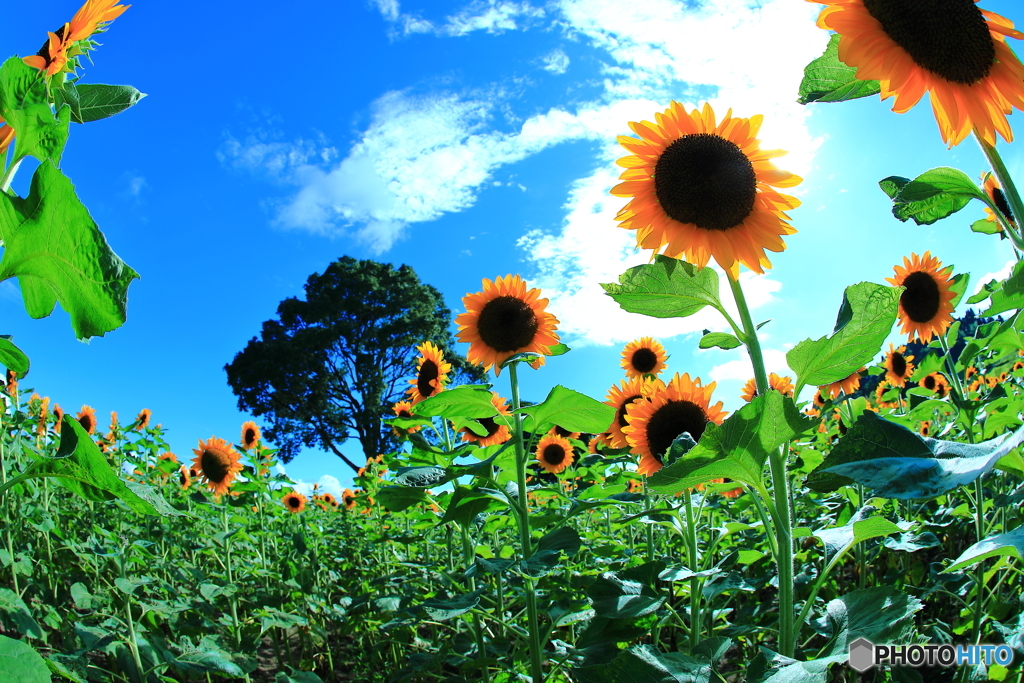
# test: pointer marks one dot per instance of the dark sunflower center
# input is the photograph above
(507, 323)
(404, 413)
(294, 502)
(671, 420)
(947, 37)
(487, 423)
(705, 180)
(44, 51)
(644, 360)
(553, 454)
(929, 383)
(621, 413)
(215, 465)
(920, 300)
(250, 436)
(999, 199)
(428, 373)
(349, 500)
(899, 364)
(562, 432)
(87, 423)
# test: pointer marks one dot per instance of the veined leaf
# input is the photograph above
(667, 288)
(569, 410)
(933, 195)
(828, 79)
(25, 106)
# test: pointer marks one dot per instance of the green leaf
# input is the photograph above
(466, 504)
(206, 657)
(958, 287)
(645, 664)
(861, 527)
(444, 609)
(1010, 543)
(398, 498)
(627, 593)
(897, 463)
(892, 185)
(297, 677)
(550, 547)
(829, 359)
(21, 663)
(54, 248)
(569, 410)
(667, 288)
(15, 609)
(95, 101)
(423, 477)
(738, 448)
(827, 79)
(25, 105)
(987, 227)
(933, 195)
(13, 358)
(722, 340)
(82, 468)
(772, 667)
(881, 614)
(468, 400)
(557, 350)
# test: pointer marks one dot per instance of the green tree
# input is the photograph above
(331, 366)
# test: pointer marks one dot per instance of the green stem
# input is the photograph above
(979, 526)
(750, 337)
(694, 561)
(1005, 182)
(954, 377)
(5, 182)
(468, 557)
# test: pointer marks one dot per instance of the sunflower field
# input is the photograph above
(858, 519)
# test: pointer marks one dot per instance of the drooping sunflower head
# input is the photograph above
(620, 397)
(431, 372)
(644, 356)
(503, 320)
(251, 435)
(87, 418)
(936, 382)
(683, 405)
(218, 463)
(898, 367)
(781, 384)
(348, 499)
(294, 502)
(995, 194)
(847, 385)
(143, 418)
(702, 189)
(63, 47)
(926, 307)
(404, 409)
(951, 49)
(554, 453)
(497, 432)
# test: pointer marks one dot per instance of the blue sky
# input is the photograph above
(468, 140)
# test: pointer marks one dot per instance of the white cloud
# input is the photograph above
(741, 370)
(326, 484)
(401, 24)
(1000, 274)
(556, 61)
(490, 16)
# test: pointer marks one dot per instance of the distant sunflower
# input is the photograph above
(898, 367)
(951, 49)
(936, 382)
(554, 453)
(294, 502)
(404, 409)
(971, 371)
(87, 418)
(496, 432)
(348, 498)
(634, 486)
(218, 463)
(185, 477)
(503, 320)
(995, 193)
(925, 304)
(926, 428)
(329, 499)
(702, 189)
(431, 372)
(58, 417)
(564, 433)
(61, 46)
(683, 405)
(597, 442)
(620, 396)
(644, 356)
(1017, 365)
(251, 435)
(846, 386)
(143, 418)
(820, 398)
(783, 385)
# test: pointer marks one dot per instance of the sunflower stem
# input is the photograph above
(958, 387)
(691, 551)
(750, 337)
(525, 537)
(1006, 182)
(468, 557)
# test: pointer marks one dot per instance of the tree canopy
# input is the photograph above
(331, 366)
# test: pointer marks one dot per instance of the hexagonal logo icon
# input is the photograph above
(862, 654)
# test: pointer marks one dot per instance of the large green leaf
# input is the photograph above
(25, 105)
(11, 357)
(21, 663)
(667, 288)
(933, 195)
(627, 593)
(570, 410)
(861, 527)
(827, 79)
(468, 400)
(738, 448)
(645, 664)
(881, 614)
(868, 311)
(1011, 543)
(95, 101)
(398, 498)
(15, 609)
(54, 248)
(443, 609)
(550, 547)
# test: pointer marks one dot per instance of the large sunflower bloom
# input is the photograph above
(294, 502)
(503, 320)
(218, 464)
(60, 47)
(898, 367)
(496, 432)
(554, 453)
(703, 190)
(87, 418)
(643, 356)
(431, 372)
(783, 385)
(683, 405)
(925, 305)
(620, 397)
(951, 49)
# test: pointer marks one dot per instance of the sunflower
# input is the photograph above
(995, 194)
(898, 367)
(87, 418)
(1017, 365)
(936, 382)
(819, 398)
(503, 320)
(431, 372)
(925, 304)
(6, 136)
(554, 453)
(643, 356)
(634, 486)
(218, 463)
(404, 409)
(348, 497)
(294, 501)
(926, 428)
(143, 418)
(783, 385)
(597, 442)
(847, 386)
(951, 49)
(59, 52)
(58, 417)
(185, 477)
(680, 406)
(329, 499)
(620, 397)
(250, 435)
(702, 189)
(971, 371)
(496, 433)
(564, 433)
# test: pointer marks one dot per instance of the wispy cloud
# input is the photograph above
(490, 16)
(556, 61)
